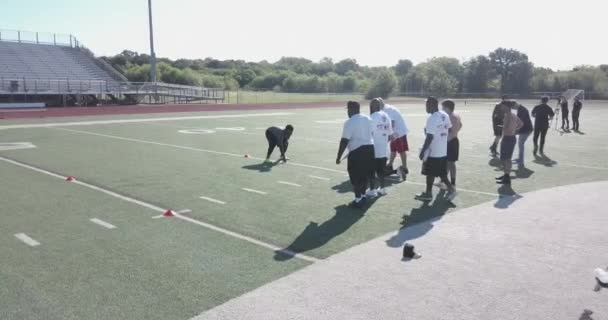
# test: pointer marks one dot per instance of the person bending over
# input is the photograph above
(278, 137)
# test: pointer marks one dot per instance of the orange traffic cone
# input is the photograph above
(69, 179)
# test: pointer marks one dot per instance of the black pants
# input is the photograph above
(272, 143)
(565, 121)
(542, 132)
(575, 123)
(361, 168)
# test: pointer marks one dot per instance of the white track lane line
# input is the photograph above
(254, 191)
(241, 156)
(103, 223)
(88, 123)
(158, 209)
(27, 240)
(212, 200)
(319, 178)
(289, 183)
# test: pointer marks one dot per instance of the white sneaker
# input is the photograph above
(372, 193)
(382, 191)
(452, 195)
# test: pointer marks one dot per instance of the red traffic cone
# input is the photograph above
(69, 179)
(168, 213)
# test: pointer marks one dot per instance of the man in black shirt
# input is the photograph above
(541, 113)
(278, 137)
(576, 112)
(524, 132)
(565, 113)
(497, 117)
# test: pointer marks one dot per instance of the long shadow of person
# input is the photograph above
(420, 221)
(262, 167)
(346, 186)
(545, 161)
(506, 197)
(317, 235)
(523, 173)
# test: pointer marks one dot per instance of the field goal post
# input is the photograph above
(571, 94)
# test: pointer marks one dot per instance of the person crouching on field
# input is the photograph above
(278, 137)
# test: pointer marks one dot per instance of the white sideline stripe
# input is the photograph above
(212, 200)
(248, 239)
(319, 178)
(557, 164)
(103, 223)
(240, 156)
(254, 191)
(27, 240)
(289, 183)
(88, 123)
(184, 211)
(155, 208)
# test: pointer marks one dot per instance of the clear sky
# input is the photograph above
(557, 34)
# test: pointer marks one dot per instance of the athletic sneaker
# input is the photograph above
(358, 202)
(372, 193)
(424, 196)
(382, 191)
(506, 180)
(451, 195)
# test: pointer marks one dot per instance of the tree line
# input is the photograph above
(502, 71)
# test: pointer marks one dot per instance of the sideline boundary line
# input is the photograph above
(161, 210)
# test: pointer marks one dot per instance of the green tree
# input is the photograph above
(383, 85)
(513, 68)
(403, 67)
(346, 65)
(477, 73)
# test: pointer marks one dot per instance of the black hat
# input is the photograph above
(409, 253)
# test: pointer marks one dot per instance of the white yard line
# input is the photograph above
(27, 240)
(558, 163)
(254, 191)
(103, 223)
(289, 183)
(119, 121)
(150, 206)
(319, 178)
(241, 156)
(212, 200)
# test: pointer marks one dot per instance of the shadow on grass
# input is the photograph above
(506, 197)
(346, 186)
(262, 167)
(496, 163)
(523, 173)
(420, 221)
(545, 161)
(580, 132)
(317, 235)
(586, 315)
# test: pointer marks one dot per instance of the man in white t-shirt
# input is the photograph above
(435, 150)
(357, 137)
(382, 134)
(399, 143)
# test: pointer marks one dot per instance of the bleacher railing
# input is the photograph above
(95, 87)
(21, 36)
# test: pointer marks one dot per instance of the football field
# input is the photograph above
(102, 247)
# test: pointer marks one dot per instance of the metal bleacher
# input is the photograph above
(37, 69)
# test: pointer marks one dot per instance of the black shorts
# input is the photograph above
(380, 166)
(435, 167)
(361, 164)
(507, 145)
(453, 150)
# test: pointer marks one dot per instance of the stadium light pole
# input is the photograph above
(152, 54)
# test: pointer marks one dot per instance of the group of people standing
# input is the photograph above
(576, 112)
(512, 125)
(368, 137)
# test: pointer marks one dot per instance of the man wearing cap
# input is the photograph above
(357, 137)
(399, 143)
(541, 113)
(434, 151)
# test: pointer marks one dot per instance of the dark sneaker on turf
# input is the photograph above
(506, 180)
(403, 172)
(424, 196)
(500, 178)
